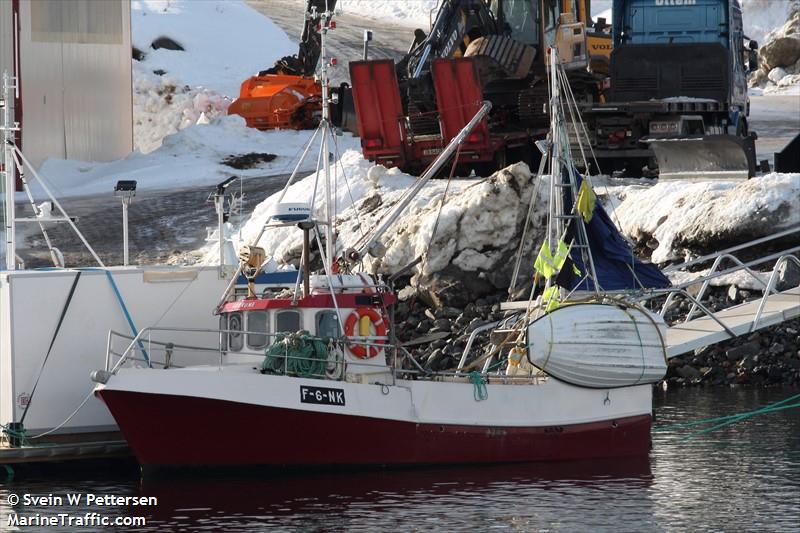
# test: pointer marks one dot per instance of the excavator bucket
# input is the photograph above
(278, 101)
(708, 157)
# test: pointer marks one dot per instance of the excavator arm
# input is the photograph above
(304, 63)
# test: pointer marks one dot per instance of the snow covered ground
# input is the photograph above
(413, 13)
(191, 157)
(225, 41)
(420, 13)
(760, 17)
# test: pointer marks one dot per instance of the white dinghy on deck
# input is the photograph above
(599, 345)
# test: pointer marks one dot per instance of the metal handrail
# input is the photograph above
(772, 279)
(671, 292)
(471, 340)
(736, 248)
(716, 264)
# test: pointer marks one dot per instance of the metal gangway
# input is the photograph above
(704, 326)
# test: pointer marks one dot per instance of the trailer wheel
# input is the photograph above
(634, 167)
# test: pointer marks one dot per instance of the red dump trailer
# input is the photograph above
(388, 136)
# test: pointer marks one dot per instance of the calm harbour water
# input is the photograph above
(745, 477)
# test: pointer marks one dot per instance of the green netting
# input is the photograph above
(296, 354)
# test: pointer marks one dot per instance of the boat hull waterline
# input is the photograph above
(421, 425)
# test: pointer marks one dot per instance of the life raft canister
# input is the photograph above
(364, 317)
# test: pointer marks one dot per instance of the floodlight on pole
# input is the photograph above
(125, 190)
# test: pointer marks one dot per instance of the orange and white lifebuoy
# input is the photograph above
(367, 319)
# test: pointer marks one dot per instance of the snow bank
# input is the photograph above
(225, 41)
(190, 157)
(779, 51)
(162, 105)
(675, 218)
(476, 232)
(762, 17)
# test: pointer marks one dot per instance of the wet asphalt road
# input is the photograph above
(162, 224)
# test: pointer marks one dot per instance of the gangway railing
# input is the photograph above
(749, 315)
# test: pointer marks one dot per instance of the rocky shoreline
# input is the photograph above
(436, 338)
(769, 357)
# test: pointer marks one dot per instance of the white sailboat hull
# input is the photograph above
(599, 345)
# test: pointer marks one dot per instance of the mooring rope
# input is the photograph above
(722, 421)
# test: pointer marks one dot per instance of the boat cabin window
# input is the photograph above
(257, 329)
(287, 321)
(236, 339)
(327, 323)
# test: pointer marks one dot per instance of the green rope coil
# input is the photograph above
(10, 433)
(480, 392)
(296, 354)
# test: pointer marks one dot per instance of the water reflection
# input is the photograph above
(512, 496)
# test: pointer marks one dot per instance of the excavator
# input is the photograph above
(287, 96)
(476, 50)
(671, 95)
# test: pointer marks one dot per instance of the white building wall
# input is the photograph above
(75, 63)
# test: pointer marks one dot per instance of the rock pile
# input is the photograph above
(767, 357)
(437, 337)
(779, 57)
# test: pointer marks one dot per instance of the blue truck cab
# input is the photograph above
(679, 48)
(677, 71)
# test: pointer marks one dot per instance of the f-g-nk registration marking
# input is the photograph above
(321, 395)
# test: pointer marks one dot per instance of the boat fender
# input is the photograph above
(364, 317)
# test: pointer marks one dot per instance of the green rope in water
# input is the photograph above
(722, 421)
(479, 393)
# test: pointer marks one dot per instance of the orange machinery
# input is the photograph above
(282, 101)
(287, 96)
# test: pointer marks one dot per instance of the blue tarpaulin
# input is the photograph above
(615, 263)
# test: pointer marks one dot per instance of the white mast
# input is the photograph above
(9, 128)
(325, 20)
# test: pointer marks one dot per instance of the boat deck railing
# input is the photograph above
(150, 348)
